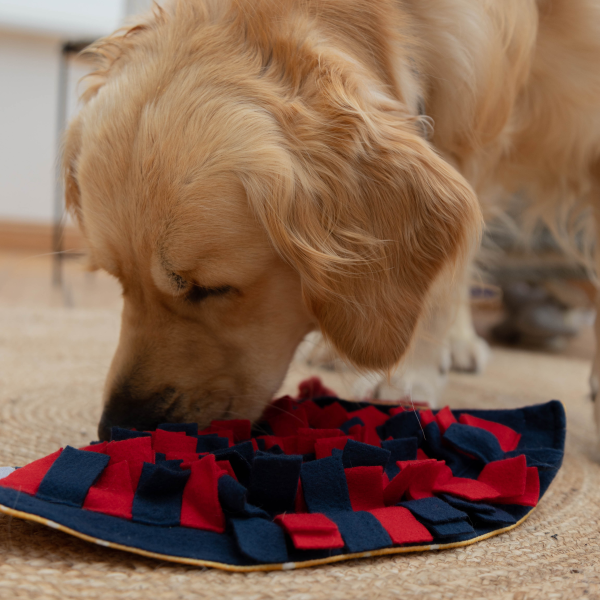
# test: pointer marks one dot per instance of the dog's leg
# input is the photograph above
(467, 351)
(422, 375)
(316, 352)
(446, 339)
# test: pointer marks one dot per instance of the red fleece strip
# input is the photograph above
(385, 479)
(288, 422)
(135, 470)
(282, 405)
(318, 434)
(329, 417)
(508, 438)
(172, 441)
(325, 446)
(365, 486)
(225, 466)
(531, 495)
(426, 417)
(200, 507)
(187, 457)
(299, 502)
(100, 448)
(225, 433)
(401, 525)
(313, 388)
(135, 449)
(416, 479)
(311, 531)
(421, 455)
(468, 489)
(444, 419)
(306, 438)
(507, 476)
(241, 428)
(113, 493)
(370, 416)
(366, 435)
(27, 479)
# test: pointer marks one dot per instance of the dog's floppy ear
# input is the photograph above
(370, 216)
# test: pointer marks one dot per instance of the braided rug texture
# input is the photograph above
(52, 366)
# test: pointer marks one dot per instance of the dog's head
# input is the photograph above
(245, 189)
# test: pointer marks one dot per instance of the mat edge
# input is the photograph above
(254, 568)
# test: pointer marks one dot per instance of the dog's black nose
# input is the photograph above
(131, 411)
(130, 420)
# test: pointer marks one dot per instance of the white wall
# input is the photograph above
(29, 76)
(29, 67)
(31, 35)
(69, 19)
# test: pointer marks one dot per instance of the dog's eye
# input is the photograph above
(198, 293)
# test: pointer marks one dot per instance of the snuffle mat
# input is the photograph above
(318, 480)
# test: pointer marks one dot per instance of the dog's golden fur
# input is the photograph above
(253, 169)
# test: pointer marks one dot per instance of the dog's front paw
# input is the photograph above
(424, 384)
(467, 353)
(316, 352)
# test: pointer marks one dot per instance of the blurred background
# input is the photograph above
(532, 295)
(40, 72)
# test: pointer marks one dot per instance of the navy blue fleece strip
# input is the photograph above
(232, 496)
(403, 425)
(158, 496)
(187, 428)
(345, 427)
(241, 467)
(173, 541)
(274, 482)
(118, 434)
(71, 476)
(542, 458)
(476, 442)
(210, 443)
(469, 507)
(540, 425)
(357, 454)
(461, 465)
(245, 449)
(400, 449)
(498, 517)
(324, 485)
(446, 530)
(361, 531)
(433, 510)
(260, 540)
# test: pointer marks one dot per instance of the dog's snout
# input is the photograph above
(104, 428)
(134, 411)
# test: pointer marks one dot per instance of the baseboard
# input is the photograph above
(37, 237)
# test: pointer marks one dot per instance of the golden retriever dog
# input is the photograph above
(254, 170)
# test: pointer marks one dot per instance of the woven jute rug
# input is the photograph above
(52, 367)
